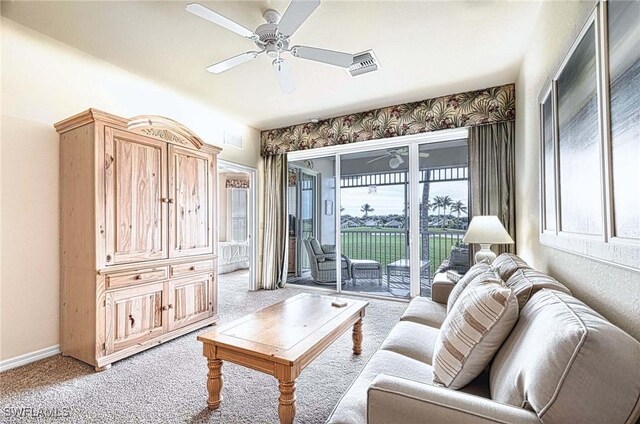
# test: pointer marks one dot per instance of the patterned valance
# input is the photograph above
(237, 183)
(488, 106)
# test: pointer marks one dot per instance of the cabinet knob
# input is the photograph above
(170, 200)
(193, 268)
(139, 277)
(164, 200)
(170, 306)
(164, 308)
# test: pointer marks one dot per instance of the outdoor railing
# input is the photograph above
(389, 245)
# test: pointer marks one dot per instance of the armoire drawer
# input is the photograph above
(191, 268)
(127, 278)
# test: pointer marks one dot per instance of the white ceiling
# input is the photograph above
(426, 49)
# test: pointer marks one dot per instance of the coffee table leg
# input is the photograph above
(357, 337)
(214, 382)
(287, 401)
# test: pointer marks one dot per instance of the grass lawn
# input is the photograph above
(389, 244)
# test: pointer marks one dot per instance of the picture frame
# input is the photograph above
(580, 208)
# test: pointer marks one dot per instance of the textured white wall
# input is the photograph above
(44, 81)
(612, 291)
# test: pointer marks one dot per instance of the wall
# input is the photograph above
(612, 291)
(44, 81)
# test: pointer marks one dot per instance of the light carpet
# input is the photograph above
(167, 384)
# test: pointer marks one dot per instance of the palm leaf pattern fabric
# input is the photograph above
(480, 107)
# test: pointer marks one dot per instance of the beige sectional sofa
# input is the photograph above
(561, 363)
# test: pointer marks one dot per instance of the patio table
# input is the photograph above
(401, 268)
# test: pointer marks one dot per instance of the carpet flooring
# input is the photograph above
(167, 384)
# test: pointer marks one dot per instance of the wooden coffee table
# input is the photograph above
(281, 340)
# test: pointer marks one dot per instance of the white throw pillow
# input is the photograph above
(475, 328)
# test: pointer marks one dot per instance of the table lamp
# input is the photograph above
(486, 230)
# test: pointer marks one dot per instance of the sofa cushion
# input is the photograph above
(330, 265)
(473, 331)
(567, 363)
(459, 256)
(425, 311)
(415, 341)
(466, 279)
(316, 248)
(508, 263)
(352, 408)
(526, 282)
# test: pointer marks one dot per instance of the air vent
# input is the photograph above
(233, 140)
(363, 63)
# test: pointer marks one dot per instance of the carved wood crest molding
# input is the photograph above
(165, 129)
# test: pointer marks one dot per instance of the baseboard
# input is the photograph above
(27, 358)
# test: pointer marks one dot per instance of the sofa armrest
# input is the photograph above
(398, 400)
(328, 248)
(441, 288)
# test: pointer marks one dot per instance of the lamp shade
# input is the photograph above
(487, 229)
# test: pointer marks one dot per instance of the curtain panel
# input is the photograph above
(274, 256)
(492, 174)
(480, 107)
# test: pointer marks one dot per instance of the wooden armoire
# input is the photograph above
(138, 208)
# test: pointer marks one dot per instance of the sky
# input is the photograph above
(389, 199)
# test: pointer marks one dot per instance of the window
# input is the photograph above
(238, 214)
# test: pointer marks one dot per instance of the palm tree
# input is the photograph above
(446, 202)
(437, 204)
(458, 207)
(424, 217)
(366, 208)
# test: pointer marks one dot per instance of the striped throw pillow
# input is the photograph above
(478, 324)
(477, 271)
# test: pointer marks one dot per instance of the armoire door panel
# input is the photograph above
(134, 315)
(190, 300)
(190, 204)
(135, 187)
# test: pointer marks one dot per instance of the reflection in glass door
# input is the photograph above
(307, 222)
(312, 230)
(374, 224)
(444, 209)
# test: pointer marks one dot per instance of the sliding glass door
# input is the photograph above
(400, 215)
(374, 223)
(443, 191)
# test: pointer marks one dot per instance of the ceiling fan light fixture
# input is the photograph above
(395, 162)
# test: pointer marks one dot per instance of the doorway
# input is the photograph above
(237, 222)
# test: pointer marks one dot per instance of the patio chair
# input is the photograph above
(322, 261)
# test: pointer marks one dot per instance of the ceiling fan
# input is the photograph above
(395, 157)
(273, 39)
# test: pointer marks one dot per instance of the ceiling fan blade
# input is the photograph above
(284, 76)
(330, 57)
(378, 158)
(295, 15)
(232, 62)
(216, 18)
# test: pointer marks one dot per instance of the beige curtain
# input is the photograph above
(493, 175)
(274, 256)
